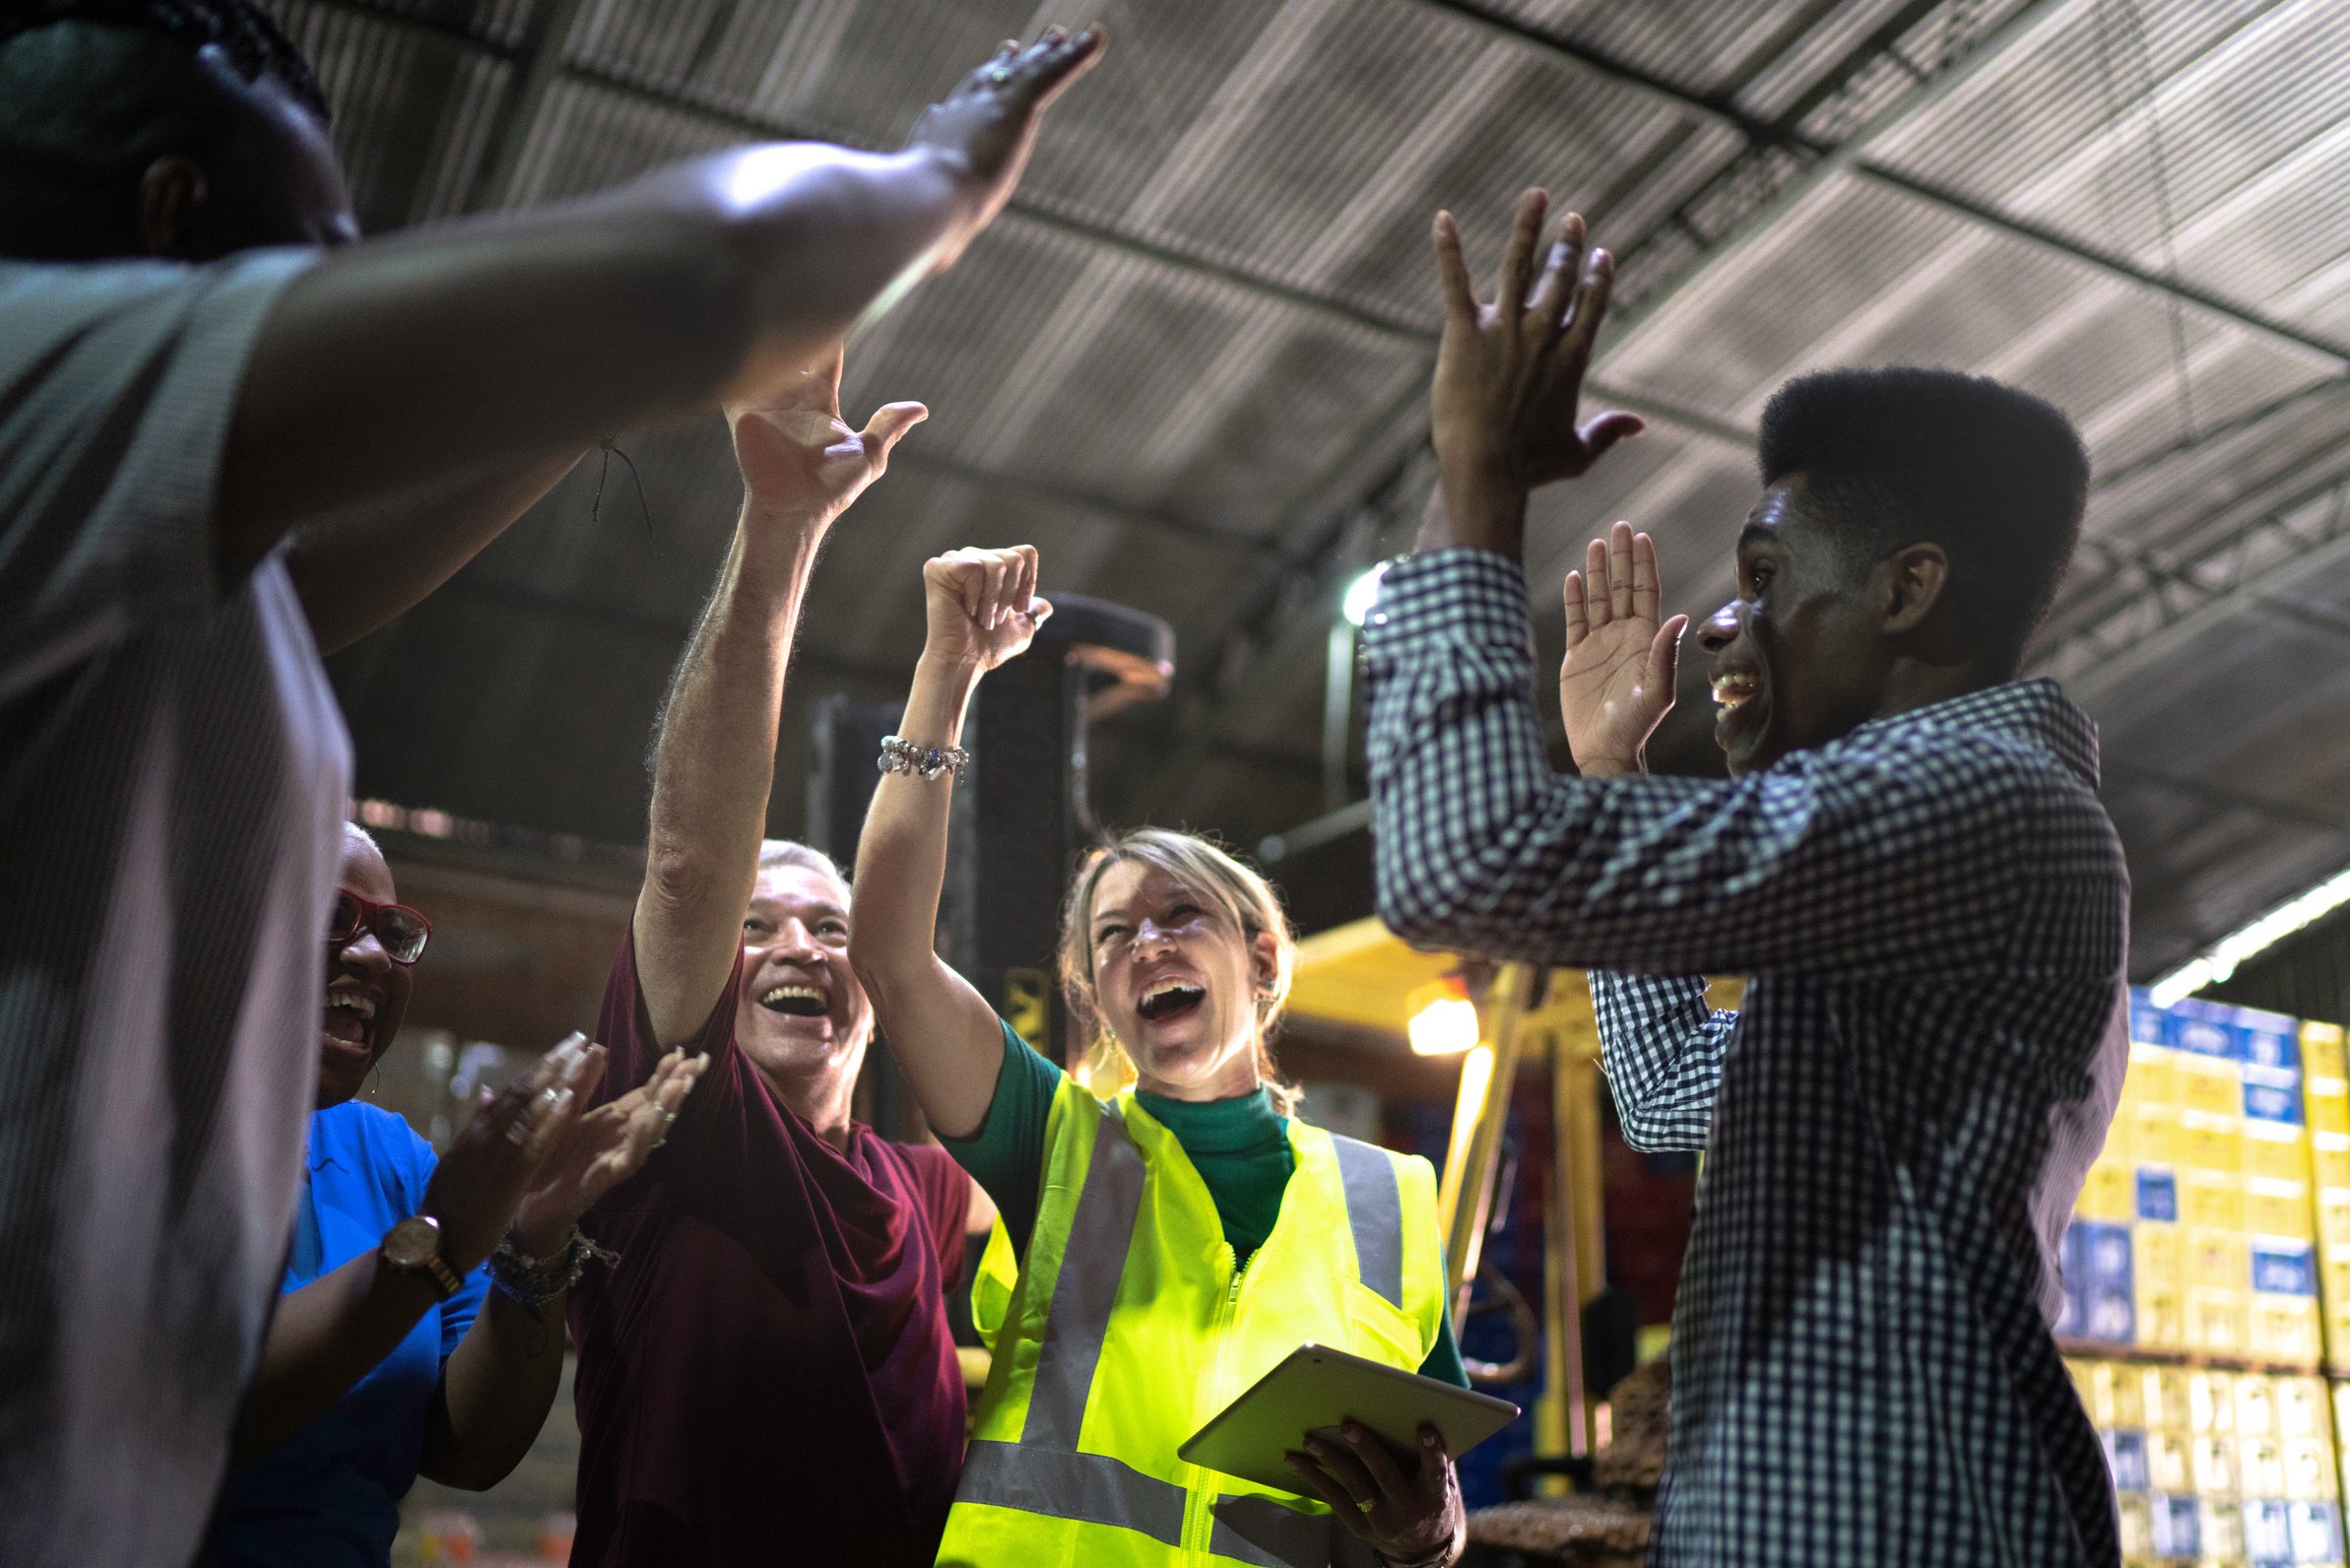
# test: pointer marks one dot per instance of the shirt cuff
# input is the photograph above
(1465, 593)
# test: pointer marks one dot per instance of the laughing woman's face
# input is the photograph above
(1176, 981)
(365, 992)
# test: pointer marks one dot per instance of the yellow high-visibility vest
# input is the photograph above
(1128, 1326)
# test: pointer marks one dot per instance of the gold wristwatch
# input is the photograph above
(413, 1246)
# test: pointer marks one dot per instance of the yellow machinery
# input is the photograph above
(1362, 977)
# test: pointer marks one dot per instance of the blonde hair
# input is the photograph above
(1238, 892)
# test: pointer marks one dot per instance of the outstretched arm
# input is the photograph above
(982, 610)
(516, 340)
(714, 758)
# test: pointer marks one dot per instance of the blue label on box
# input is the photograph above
(2317, 1533)
(2271, 1103)
(2204, 1028)
(2101, 1254)
(2269, 1039)
(2268, 1531)
(2113, 1314)
(2125, 1456)
(2158, 1195)
(2283, 1269)
(2146, 1018)
(2176, 1531)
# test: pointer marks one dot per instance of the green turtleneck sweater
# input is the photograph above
(1239, 1146)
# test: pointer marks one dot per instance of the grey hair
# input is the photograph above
(775, 852)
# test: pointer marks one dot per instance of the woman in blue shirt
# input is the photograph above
(421, 1330)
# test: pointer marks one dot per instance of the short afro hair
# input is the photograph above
(253, 44)
(1902, 456)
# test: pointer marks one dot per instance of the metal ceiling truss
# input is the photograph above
(2250, 565)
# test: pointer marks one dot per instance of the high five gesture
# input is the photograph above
(1616, 684)
(1509, 377)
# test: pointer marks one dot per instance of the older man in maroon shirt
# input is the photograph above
(765, 1375)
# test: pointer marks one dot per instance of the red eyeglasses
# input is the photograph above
(402, 931)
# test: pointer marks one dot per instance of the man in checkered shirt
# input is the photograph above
(1909, 861)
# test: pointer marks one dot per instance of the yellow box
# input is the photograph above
(2327, 1111)
(2155, 1259)
(2329, 1161)
(2256, 1407)
(2337, 1339)
(2110, 1194)
(2138, 1526)
(2260, 1467)
(2214, 1202)
(2284, 1330)
(2168, 1464)
(2212, 1403)
(2321, 1054)
(2162, 1318)
(2218, 1320)
(2153, 1077)
(2309, 1470)
(2334, 1216)
(2216, 1255)
(2211, 1143)
(2212, 1461)
(2154, 1134)
(2300, 1406)
(2211, 1085)
(2219, 1528)
(2168, 1407)
(2278, 1208)
(2275, 1153)
(2116, 1395)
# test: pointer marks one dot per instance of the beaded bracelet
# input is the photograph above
(901, 755)
(532, 1282)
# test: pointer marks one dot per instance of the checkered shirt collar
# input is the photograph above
(2037, 710)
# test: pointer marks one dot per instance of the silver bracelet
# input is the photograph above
(901, 755)
(533, 1282)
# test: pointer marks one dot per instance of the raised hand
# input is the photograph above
(482, 1179)
(1509, 374)
(986, 126)
(801, 462)
(982, 606)
(1617, 683)
(601, 1149)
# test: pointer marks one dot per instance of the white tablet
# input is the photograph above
(1313, 1390)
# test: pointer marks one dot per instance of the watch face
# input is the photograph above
(413, 1243)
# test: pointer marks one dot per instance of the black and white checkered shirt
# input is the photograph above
(1932, 911)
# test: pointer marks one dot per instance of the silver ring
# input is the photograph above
(548, 1098)
(669, 1116)
(998, 75)
(518, 1132)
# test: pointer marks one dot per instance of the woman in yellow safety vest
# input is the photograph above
(1174, 1241)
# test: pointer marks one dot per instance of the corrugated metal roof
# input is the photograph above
(1186, 362)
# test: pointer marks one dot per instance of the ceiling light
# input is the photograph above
(2220, 959)
(1444, 1022)
(1361, 594)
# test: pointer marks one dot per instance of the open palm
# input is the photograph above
(798, 458)
(1616, 684)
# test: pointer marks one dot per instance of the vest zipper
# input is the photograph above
(1199, 1523)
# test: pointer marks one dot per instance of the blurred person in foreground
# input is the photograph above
(1172, 1229)
(1909, 861)
(420, 1331)
(233, 434)
(766, 1374)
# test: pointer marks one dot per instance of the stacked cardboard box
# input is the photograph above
(2217, 1468)
(2194, 1229)
(2325, 1101)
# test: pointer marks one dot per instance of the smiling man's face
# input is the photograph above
(1797, 658)
(366, 993)
(804, 1021)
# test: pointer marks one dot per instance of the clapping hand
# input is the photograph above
(482, 1179)
(985, 127)
(1509, 376)
(801, 464)
(1413, 1519)
(1616, 684)
(982, 606)
(601, 1149)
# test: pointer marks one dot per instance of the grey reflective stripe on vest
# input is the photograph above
(1375, 1214)
(1092, 1488)
(1092, 1259)
(1256, 1530)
